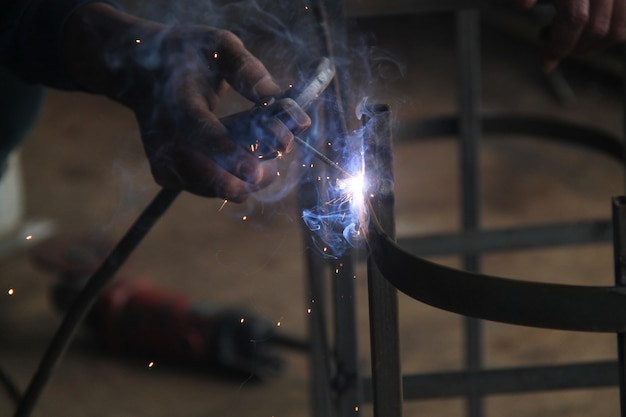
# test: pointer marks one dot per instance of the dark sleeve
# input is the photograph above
(30, 39)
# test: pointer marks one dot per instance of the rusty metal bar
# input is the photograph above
(506, 239)
(508, 380)
(531, 126)
(383, 301)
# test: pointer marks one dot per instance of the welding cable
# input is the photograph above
(86, 298)
(9, 384)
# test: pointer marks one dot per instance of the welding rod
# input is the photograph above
(329, 162)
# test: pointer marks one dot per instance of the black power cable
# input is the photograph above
(85, 299)
(10, 386)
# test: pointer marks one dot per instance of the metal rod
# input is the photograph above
(456, 384)
(619, 260)
(83, 302)
(510, 238)
(383, 297)
(326, 160)
(468, 41)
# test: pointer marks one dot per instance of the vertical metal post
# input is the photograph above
(619, 257)
(346, 380)
(619, 250)
(468, 41)
(383, 301)
(320, 357)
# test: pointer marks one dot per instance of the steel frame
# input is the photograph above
(337, 386)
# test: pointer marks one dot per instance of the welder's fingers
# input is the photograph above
(568, 26)
(616, 32)
(292, 115)
(267, 130)
(288, 120)
(243, 71)
(201, 175)
(598, 26)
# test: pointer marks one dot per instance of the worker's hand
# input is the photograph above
(172, 78)
(582, 26)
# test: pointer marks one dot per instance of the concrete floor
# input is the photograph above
(84, 170)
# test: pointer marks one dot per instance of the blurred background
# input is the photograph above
(83, 174)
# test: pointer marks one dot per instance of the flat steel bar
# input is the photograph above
(383, 301)
(531, 126)
(507, 380)
(506, 239)
(527, 303)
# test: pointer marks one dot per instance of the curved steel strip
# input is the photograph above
(549, 128)
(534, 304)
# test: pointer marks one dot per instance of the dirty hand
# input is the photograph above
(582, 26)
(172, 78)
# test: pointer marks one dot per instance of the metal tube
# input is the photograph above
(468, 41)
(383, 299)
(619, 258)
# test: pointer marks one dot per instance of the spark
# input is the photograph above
(242, 320)
(290, 85)
(278, 324)
(137, 41)
(353, 189)
(216, 55)
(308, 310)
(150, 364)
(356, 408)
(278, 173)
(29, 237)
(244, 218)
(11, 291)
(223, 204)
(306, 8)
